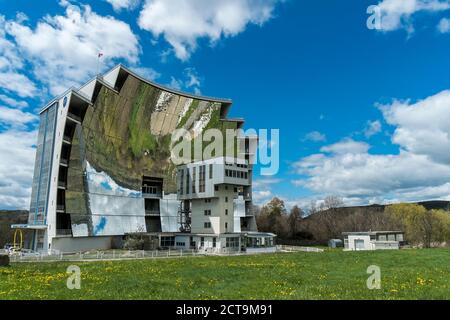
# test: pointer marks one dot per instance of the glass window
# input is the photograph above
(181, 181)
(43, 164)
(167, 241)
(188, 178)
(202, 178)
(210, 171)
(194, 179)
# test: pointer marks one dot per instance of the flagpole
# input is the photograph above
(99, 55)
(98, 62)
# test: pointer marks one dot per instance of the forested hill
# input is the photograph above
(375, 208)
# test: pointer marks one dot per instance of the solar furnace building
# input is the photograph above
(103, 170)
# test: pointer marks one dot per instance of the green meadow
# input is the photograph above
(333, 274)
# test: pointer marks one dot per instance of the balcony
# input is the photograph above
(74, 118)
(151, 192)
(67, 140)
(152, 213)
(63, 232)
(60, 208)
(63, 162)
(62, 185)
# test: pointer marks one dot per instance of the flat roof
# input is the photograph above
(171, 90)
(29, 226)
(371, 232)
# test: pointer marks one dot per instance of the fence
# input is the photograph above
(296, 249)
(139, 254)
(101, 255)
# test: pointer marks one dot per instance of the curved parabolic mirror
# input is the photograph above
(125, 136)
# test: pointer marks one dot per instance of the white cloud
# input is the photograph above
(315, 136)
(444, 25)
(397, 14)
(420, 171)
(63, 48)
(372, 128)
(190, 81)
(15, 82)
(16, 168)
(262, 189)
(261, 197)
(182, 22)
(13, 102)
(15, 118)
(346, 146)
(147, 73)
(11, 78)
(422, 127)
(118, 5)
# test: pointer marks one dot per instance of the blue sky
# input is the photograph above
(363, 113)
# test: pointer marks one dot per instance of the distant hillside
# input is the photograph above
(7, 218)
(376, 208)
(327, 224)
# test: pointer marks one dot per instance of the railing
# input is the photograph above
(55, 255)
(152, 213)
(101, 255)
(73, 117)
(63, 161)
(63, 232)
(61, 184)
(60, 207)
(67, 139)
(295, 249)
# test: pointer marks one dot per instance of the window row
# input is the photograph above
(236, 174)
(237, 165)
(189, 176)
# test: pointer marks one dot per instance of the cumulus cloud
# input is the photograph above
(262, 190)
(190, 81)
(422, 127)
(421, 169)
(119, 5)
(16, 168)
(15, 118)
(315, 136)
(346, 146)
(12, 80)
(182, 22)
(147, 73)
(63, 48)
(372, 128)
(398, 14)
(13, 102)
(444, 25)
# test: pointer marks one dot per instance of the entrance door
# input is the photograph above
(359, 244)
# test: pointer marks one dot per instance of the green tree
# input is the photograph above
(273, 218)
(294, 219)
(421, 226)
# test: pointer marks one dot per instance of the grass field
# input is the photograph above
(334, 274)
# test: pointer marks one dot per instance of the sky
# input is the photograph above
(360, 94)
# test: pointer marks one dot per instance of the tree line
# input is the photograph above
(319, 223)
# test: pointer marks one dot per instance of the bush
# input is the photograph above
(134, 243)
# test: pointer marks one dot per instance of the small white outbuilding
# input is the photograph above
(373, 240)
